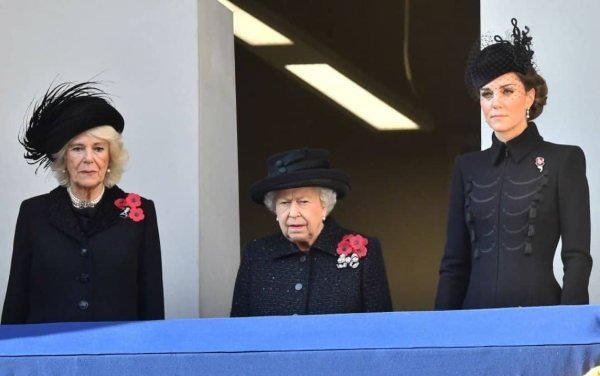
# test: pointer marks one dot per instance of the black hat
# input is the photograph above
(300, 168)
(64, 112)
(499, 58)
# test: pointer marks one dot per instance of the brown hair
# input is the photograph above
(532, 80)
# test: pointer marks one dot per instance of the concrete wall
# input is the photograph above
(565, 45)
(169, 67)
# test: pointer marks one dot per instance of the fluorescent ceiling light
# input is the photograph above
(352, 96)
(252, 31)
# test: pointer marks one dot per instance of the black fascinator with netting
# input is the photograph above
(500, 57)
(65, 111)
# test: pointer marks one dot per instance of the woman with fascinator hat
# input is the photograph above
(312, 265)
(86, 251)
(511, 203)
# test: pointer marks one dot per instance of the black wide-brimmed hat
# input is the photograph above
(499, 58)
(65, 111)
(300, 168)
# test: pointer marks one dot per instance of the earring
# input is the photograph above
(324, 217)
(527, 113)
(63, 171)
(108, 171)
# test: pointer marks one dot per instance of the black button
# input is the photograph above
(83, 305)
(303, 258)
(84, 278)
(83, 252)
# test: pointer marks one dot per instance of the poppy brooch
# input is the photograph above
(351, 249)
(539, 163)
(131, 207)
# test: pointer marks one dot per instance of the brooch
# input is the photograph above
(539, 163)
(351, 249)
(131, 206)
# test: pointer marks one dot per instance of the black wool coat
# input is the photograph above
(276, 278)
(59, 273)
(509, 206)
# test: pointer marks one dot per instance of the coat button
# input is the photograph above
(298, 286)
(83, 305)
(303, 258)
(83, 252)
(84, 278)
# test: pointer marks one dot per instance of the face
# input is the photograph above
(300, 215)
(504, 102)
(87, 158)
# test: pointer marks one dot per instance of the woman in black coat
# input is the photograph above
(312, 265)
(511, 203)
(86, 251)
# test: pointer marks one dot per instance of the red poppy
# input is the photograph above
(344, 247)
(359, 244)
(133, 200)
(120, 203)
(136, 214)
(353, 244)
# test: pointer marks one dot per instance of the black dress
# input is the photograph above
(88, 265)
(276, 278)
(509, 206)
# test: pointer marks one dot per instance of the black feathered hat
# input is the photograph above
(65, 111)
(300, 168)
(499, 58)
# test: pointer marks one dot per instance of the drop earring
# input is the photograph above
(527, 113)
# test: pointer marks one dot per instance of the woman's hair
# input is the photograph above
(118, 156)
(327, 196)
(532, 80)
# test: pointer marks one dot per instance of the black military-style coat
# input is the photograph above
(509, 206)
(59, 273)
(276, 278)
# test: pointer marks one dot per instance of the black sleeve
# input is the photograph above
(16, 303)
(574, 210)
(240, 305)
(151, 295)
(375, 289)
(455, 268)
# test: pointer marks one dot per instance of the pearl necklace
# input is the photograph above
(82, 204)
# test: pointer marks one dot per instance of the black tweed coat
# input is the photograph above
(275, 278)
(509, 206)
(60, 273)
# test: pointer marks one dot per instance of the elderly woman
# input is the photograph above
(86, 251)
(511, 203)
(312, 265)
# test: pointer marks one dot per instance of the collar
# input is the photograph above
(326, 242)
(517, 148)
(61, 215)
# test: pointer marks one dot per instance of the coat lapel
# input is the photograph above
(329, 237)
(61, 215)
(107, 213)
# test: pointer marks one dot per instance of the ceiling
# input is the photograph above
(379, 44)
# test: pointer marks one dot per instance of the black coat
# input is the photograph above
(276, 278)
(505, 219)
(60, 273)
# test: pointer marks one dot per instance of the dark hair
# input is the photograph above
(533, 80)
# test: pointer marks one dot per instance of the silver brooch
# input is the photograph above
(349, 260)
